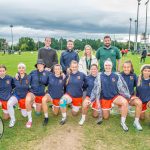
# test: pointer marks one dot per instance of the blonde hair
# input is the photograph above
(108, 61)
(146, 66)
(87, 46)
(22, 65)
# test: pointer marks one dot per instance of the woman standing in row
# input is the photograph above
(87, 60)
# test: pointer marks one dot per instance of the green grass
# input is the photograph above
(109, 135)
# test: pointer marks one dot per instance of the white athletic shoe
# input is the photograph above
(138, 126)
(63, 121)
(28, 124)
(81, 122)
(124, 127)
(11, 123)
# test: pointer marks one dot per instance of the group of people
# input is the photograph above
(124, 52)
(77, 82)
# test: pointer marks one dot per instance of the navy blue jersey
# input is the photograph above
(67, 57)
(143, 91)
(56, 86)
(109, 86)
(89, 84)
(21, 87)
(38, 81)
(6, 86)
(75, 84)
(131, 80)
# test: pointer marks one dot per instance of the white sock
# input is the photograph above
(64, 115)
(136, 120)
(83, 117)
(29, 116)
(123, 119)
(11, 113)
(46, 115)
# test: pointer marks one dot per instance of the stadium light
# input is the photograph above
(146, 21)
(129, 33)
(135, 21)
(137, 25)
(11, 26)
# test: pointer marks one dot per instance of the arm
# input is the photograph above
(81, 68)
(98, 54)
(119, 64)
(85, 83)
(62, 63)
(118, 57)
(39, 54)
(55, 59)
(77, 57)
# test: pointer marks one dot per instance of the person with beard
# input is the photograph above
(108, 51)
(67, 56)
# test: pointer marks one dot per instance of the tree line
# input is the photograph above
(28, 44)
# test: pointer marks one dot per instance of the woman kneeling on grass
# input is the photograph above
(6, 86)
(89, 84)
(19, 94)
(112, 88)
(38, 81)
(56, 84)
(143, 88)
(131, 80)
(74, 91)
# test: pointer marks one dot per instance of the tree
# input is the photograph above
(28, 43)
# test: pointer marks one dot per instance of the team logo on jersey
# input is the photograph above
(60, 81)
(112, 51)
(113, 79)
(7, 81)
(44, 74)
(131, 77)
(78, 77)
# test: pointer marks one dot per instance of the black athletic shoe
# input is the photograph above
(63, 121)
(50, 105)
(99, 121)
(45, 122)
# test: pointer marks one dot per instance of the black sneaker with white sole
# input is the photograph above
(99, 121)
(45, 122)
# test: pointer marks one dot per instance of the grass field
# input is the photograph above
(109, 135)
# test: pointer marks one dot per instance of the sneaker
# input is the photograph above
(138, 126)
(63, 121)
(50, 105)
(81, 122)
(28, 124)
(11, 123)
(124, 127)
(45, 122)
(99, 120)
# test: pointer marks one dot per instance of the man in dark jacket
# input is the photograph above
(67, 56)
(143, 55)
(48, 55)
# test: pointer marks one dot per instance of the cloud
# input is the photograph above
(69, 17)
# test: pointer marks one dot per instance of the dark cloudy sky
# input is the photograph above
(69, 18)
